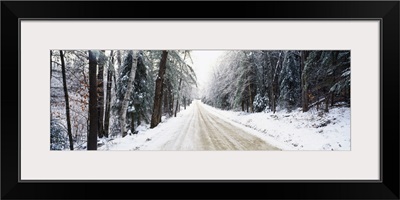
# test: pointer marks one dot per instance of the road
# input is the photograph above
(203, 130)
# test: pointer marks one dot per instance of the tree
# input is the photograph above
(132, 59)
(177, 99)
(290, 81)
(100, 93)
(110, 74)
(251, 78)
(71, 142)
(279, 80)
(75, 63)
(140, 95)
(304, 94)
(273, 64)
(341, 87)
(93, 118)
(156, 116)
(181, 76)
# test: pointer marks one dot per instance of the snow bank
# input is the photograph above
(146, 138)
(288, 131)
(297, 130)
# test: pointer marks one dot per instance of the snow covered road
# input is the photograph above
(200, 129)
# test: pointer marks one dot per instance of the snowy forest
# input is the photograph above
(259, 80)
(100, 93)
(154, 100)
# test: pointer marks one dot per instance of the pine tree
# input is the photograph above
(290, 81)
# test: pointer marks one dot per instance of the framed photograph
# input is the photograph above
(300, 98)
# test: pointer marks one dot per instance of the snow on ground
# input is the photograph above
(146, 138)
(288, 131)
(297, 130)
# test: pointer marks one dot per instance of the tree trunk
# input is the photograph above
(326, 103)
(71, 142)
(334, 62)
(251, 99)
(108, 96)
(132, 122)
(247, 105)
(176, 106)
(184, 102)
(177, 99)
(117, 70)
(171, 105)
(92, 136)
(51, 75)
(156, 115)
(166, 97)
(129, 89)
(100, 100)
(119, 61)
(51, 64)
(243, 105)
(139, 113)
(273, 98)
(170, 109)
(304, 97)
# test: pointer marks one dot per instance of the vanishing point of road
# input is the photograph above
(203, 130)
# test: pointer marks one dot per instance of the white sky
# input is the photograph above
(203, 63)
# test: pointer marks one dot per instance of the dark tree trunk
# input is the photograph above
(334, 63)
(184, 102)
(166, 96)
(347, 94)
(100, 100)
(177, 99)
(176, 106)
(138, 118)
(304, 97)
(71, 142)
(247, 105)
(243, 105)
(108, 96)
(156, 116)
(273, 98)
(326, 103)
(92, 136)
(171, 105)
(251, 99)
(170, 109)
(132, 122)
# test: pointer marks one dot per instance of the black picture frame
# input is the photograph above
(386, 11)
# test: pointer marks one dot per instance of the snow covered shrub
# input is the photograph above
(260, 103)
(58, 136)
